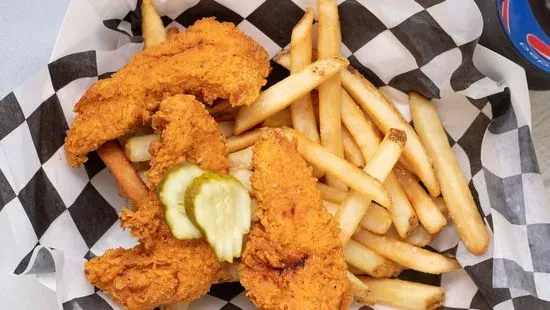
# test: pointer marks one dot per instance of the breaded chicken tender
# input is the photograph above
(210, 60)
(161, 269)
(187, 132)
(293, 258)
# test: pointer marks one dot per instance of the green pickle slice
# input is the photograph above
(220, 207)
(171, 191)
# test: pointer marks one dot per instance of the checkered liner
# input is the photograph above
(62, 216)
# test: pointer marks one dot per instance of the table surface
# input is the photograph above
(28, 30)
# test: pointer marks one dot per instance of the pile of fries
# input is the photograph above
(390, 187)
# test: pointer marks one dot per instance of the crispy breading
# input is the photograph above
(161, 269)
(293, 258)
(187, 132)
(173, 271)
(211, 60)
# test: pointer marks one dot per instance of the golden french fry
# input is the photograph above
(282, 94)
(356, 271)
(405, 254)
(328, 45)
(330, 193)
(376, 219)
(352, 153)
(237, 143)
(128, 179)
(136, 148)
(454, 186)
(367, 139)
(378, 166)
(440, 203)
(360, 128)
(402, 213)
(243, 175)
(386, 117)
(241, 159)
(428, 213)
(369, 261)
(405, 294)
(226, 127)
(328, 162)
(361, 292)
(151, 25)
(331, 207)
(279, 119)
(419, 237)
(303, 115)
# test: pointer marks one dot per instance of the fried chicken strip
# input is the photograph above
(211, 60)
(293, 258)
(161, 269)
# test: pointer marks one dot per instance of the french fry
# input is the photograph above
(352, 153)
(331, 207)
(302, 113)
(330, 193)
(454, 186)
(279, 119)
(328, 162)
(328, 45)
(241, 159)
(226, 127)
(151, 24)
(360, 128)
(386, 117)
(361, 292)
(237, 143)
(282, 94)
(376, 219)
(136, 148)
(356, 271)
(405, 254)
(402, 213)
(369, 261)
(405, 294)
(128, 179)
(243, 175)
(428, 213)
(366, 137)
(440, 203)
(378, 166)
(419, 237)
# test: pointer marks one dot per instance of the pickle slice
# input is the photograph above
(219, 206)
(171, 191)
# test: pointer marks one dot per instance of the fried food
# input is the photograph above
(187, 132)
(162, 269)
(293, 258)
(211, 60)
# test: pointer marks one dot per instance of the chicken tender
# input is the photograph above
(187, 132)
(170, 272)
(293, 258)
(162, 269)
(210, 60)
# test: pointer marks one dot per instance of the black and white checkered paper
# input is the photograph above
(60, 217)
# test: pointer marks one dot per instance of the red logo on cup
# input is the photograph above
(538, 45)
(506, 14)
